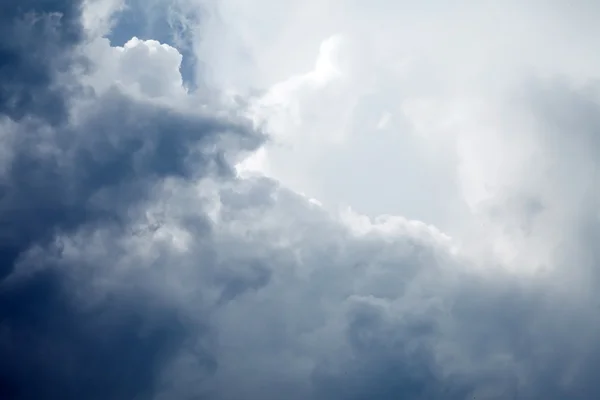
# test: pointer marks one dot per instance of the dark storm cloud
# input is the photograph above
(51, 350)
(117, 152)
(502, 342)
(64, 175)
(37, 39)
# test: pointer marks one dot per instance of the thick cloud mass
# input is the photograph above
(63, 175)
(135, 263)
(37, 42)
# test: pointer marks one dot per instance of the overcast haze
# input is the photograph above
(317, 199)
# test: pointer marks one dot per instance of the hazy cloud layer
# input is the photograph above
(145, 255)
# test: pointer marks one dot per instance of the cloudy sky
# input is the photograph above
(316, 199)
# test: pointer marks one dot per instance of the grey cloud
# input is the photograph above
(442, 333)
(509, 338)
(71, 170)
(38, 42)
(135, 265)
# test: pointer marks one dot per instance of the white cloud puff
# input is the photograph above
(145, 68)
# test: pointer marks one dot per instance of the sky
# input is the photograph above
(316, 200)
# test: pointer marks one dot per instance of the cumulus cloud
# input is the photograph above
(136, 261)
(143, 68)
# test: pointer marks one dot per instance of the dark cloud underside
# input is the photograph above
(64, 176)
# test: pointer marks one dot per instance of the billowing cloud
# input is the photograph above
(77, 162)
(138, 262)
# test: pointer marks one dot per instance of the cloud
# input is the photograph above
(135, 262)
(169, 22)
(36, 47)
(98, 15)
(143, 68)
(425, 64)
(81, 162)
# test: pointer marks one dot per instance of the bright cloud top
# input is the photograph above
(352, 201)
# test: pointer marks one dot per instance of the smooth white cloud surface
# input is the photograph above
(444, 75)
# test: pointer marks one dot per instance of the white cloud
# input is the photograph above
(144, 68)
(396, 55)
(98, 15)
